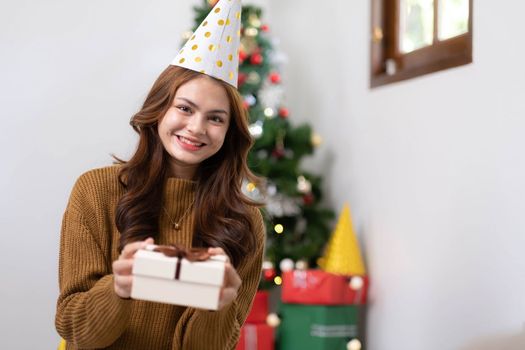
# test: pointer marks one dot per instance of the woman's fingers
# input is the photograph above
(124, 281)
(124, 264)
(231, 277)
(122, 285)
(231, 282)
(123, 267)
(122, 278)
(230, 287)
(131, 248)
(227, 296)
(218, 251)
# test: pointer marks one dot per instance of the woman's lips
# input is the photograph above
(189, 144)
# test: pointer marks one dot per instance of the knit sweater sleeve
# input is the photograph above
(202, 329)
(89, 312)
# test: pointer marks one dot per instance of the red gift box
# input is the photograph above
(259, 310)
(256, 337)
(317, 287)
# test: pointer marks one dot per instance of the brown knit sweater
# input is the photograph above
(89, 313)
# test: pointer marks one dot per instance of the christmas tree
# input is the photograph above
(297, 224)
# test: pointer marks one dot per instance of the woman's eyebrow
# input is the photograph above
(192, 104)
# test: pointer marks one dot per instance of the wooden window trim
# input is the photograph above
(441, 55)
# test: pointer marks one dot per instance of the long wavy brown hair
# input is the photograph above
(222, 215)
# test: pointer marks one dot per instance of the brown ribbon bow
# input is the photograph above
(190, 254)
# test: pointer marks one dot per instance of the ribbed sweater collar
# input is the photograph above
(179, 194)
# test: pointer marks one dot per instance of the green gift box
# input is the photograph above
(317, 327)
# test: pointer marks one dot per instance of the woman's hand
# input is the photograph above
(232, 281)
(123, 266)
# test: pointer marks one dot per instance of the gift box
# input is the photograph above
(317, 327)
(174, 275)
(259, 310)
(317, 287)
(256, 337)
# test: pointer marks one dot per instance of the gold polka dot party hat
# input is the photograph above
(213, 49)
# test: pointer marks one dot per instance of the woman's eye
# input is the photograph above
(216, 119)
(184, 109)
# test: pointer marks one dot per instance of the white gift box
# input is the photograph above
(198, 284)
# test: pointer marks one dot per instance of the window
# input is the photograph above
(415, 37)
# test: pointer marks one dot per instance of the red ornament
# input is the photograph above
(284, 112)
(275, 78)
(241, 79)
(256, 59)
(269, 274)
(308, 199)
(242, 56)
(278, 153)
(265, 28)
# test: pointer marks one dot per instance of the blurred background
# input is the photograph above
(430, 164)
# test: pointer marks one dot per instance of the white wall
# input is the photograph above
(72, 74)
(433, 169)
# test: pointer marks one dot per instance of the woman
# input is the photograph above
(189, 163)
(182, 186)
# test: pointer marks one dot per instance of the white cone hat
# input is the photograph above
(213, 48)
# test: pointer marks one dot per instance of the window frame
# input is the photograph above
(442, 54)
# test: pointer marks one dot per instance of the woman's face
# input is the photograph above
(194, 127)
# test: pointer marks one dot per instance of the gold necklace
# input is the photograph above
(177, 224)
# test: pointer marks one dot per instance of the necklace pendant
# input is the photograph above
(176, 226)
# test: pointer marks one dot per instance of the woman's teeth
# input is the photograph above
(185, 140)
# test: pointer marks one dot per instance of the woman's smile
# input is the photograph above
(189, 144)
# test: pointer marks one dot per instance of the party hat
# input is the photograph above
(213, 48)
(342, 255)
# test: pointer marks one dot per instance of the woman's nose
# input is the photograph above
(197, 125)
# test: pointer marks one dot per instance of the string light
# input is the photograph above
(273, 320)
(316, 140)
(267, 265)
(301, 265)
(254, 21)
(253, 78)
(256, 129)
(286, 265)
(269, 112)
(304, 186)
(354, 344)
(356, 282)
(279, 228)
(278, 280)
(250, 99)
(251, 31)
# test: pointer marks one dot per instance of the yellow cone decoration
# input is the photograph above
(342, 255)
